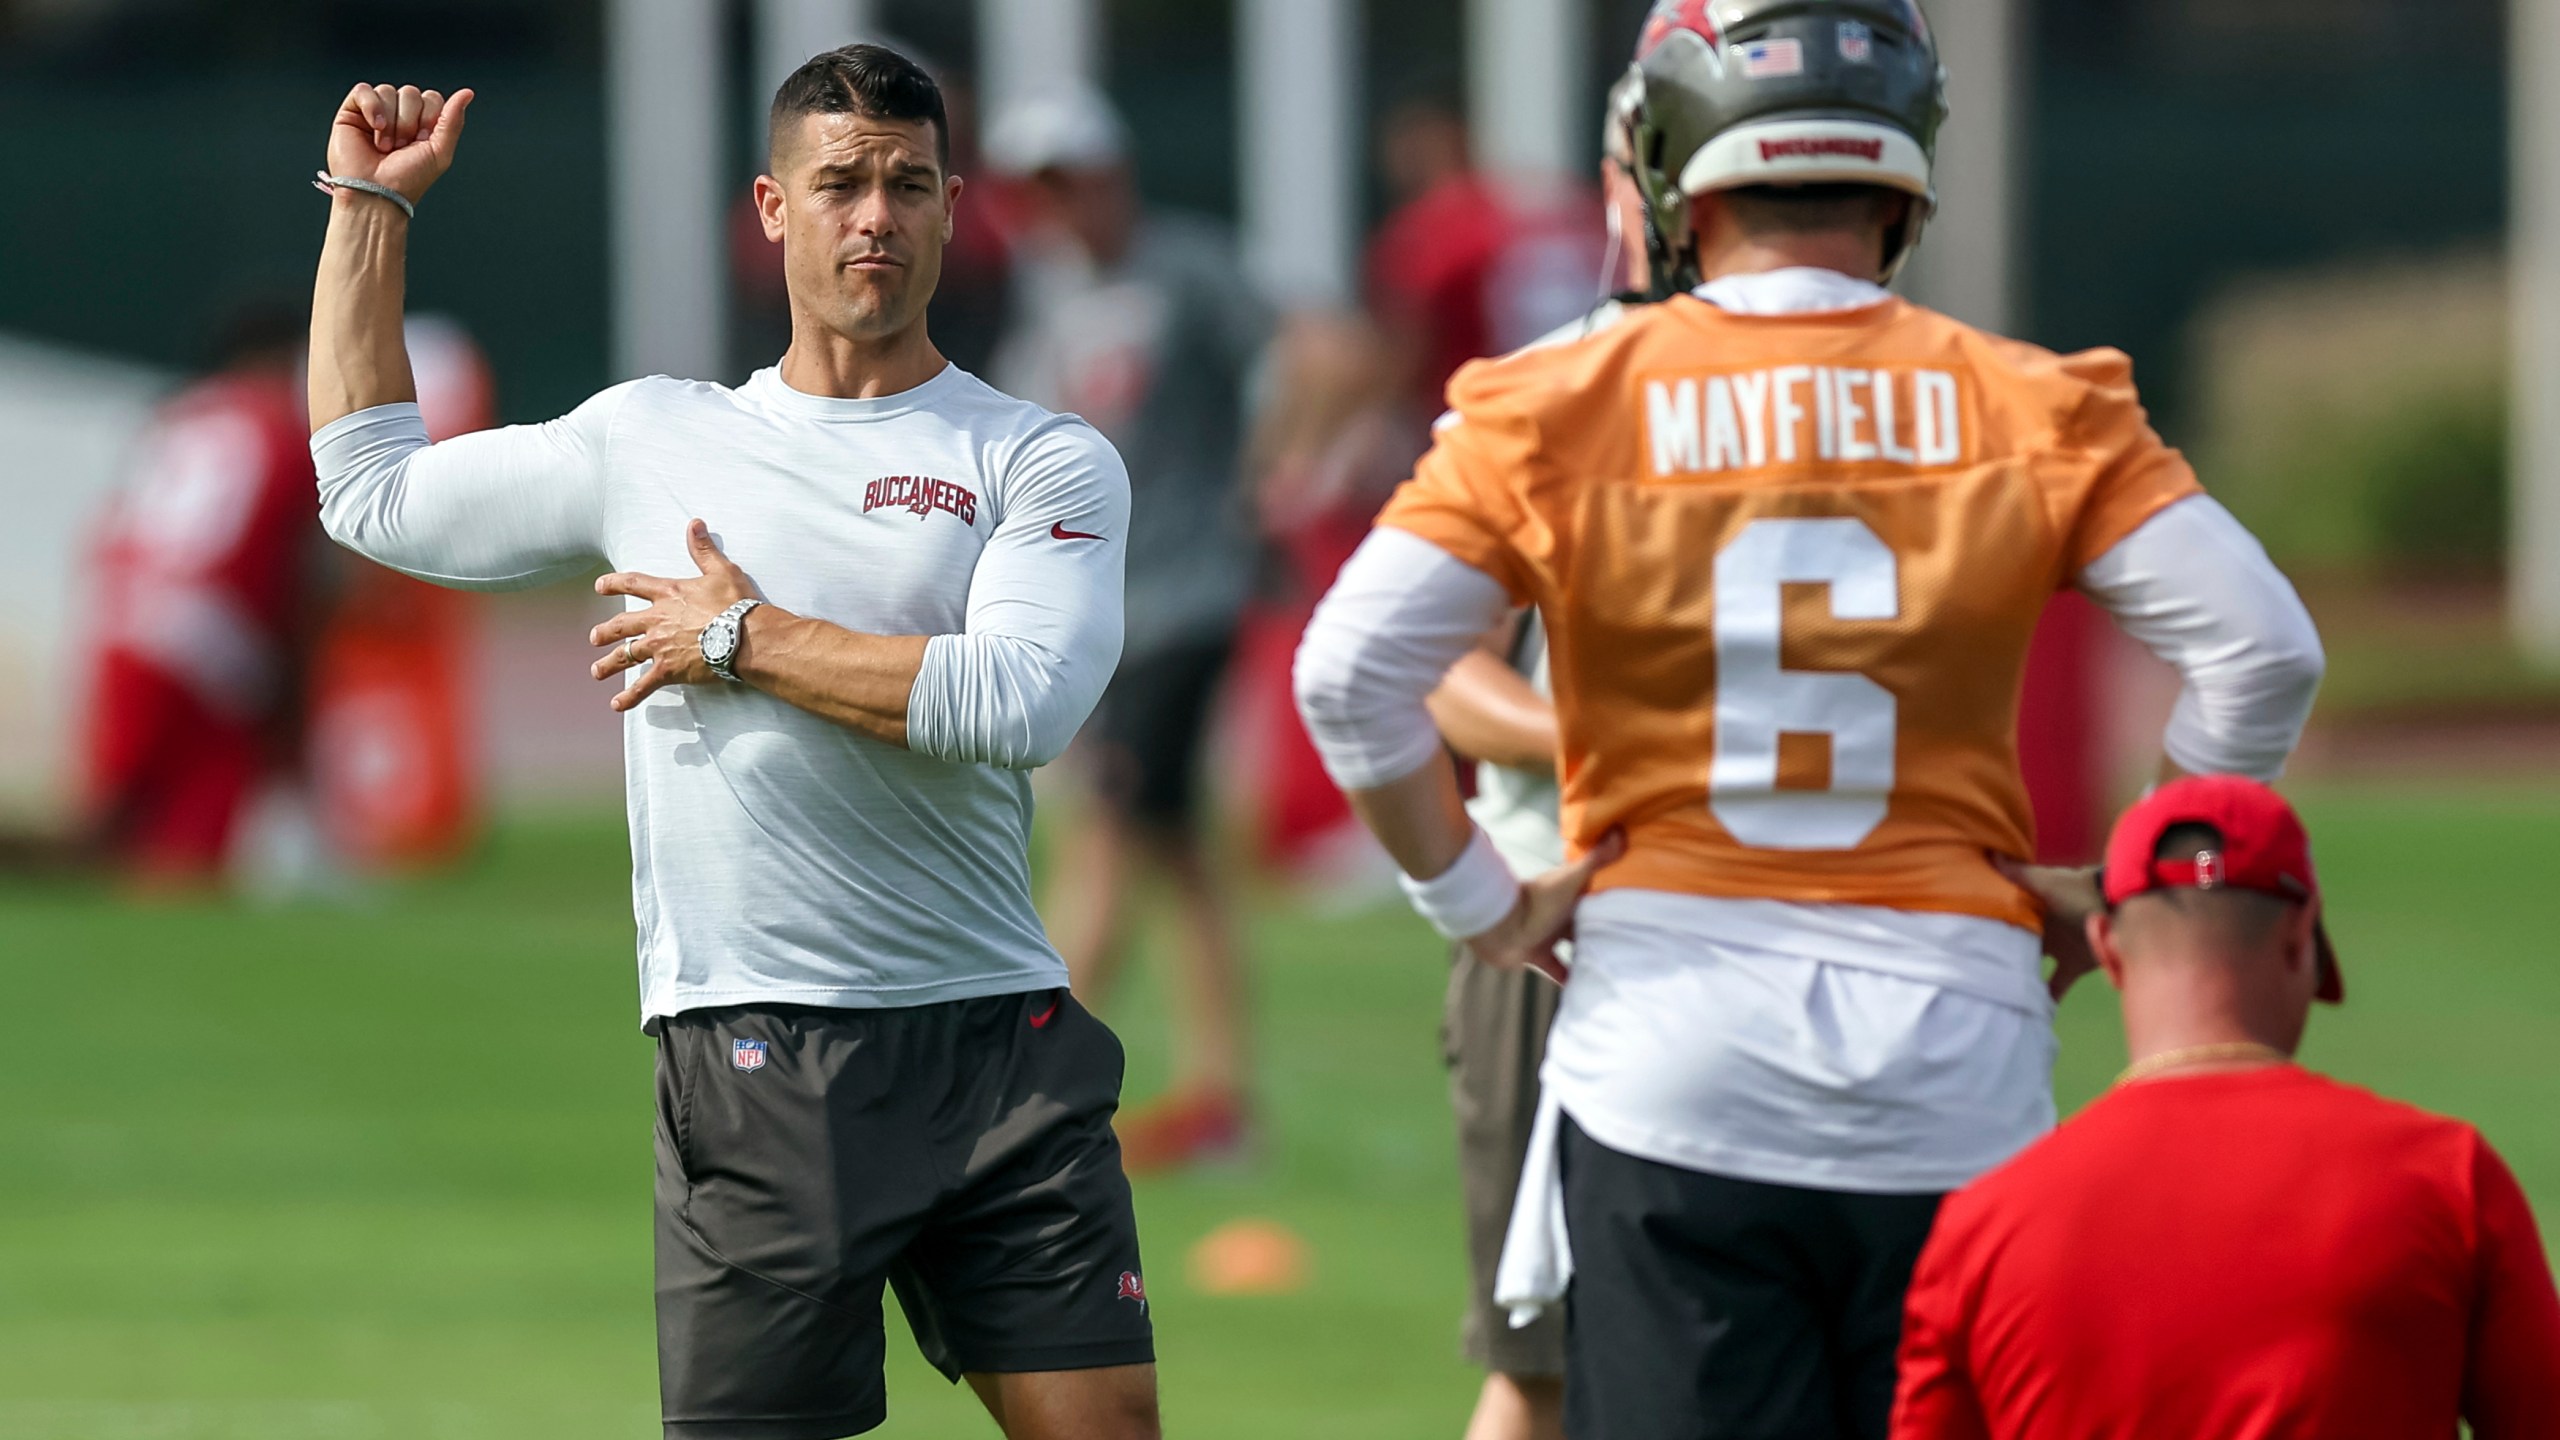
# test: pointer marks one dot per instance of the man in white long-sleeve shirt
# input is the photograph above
(867, 594)
(1789, 537)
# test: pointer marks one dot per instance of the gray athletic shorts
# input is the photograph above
(1494, 1032)
(961, 1153)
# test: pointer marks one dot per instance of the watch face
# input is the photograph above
(720, 640)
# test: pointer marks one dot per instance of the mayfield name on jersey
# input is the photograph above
(1778, 415)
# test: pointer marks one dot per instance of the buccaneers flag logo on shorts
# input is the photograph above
(1133, 1288)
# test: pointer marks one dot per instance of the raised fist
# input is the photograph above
(396, 135)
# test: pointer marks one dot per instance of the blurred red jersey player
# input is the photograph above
(203, 580)
(1467, 266)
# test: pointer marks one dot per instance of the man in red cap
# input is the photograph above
(2227, 1244)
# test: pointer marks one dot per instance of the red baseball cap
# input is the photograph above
(2264, 848)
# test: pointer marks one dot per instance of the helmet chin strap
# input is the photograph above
(1905, 237)
(1667, 273)
(1617, 233)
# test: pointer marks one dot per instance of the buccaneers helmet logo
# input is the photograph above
(1670, 15)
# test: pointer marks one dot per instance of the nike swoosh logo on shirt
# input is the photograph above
(1041, 1020)
(1058, 531)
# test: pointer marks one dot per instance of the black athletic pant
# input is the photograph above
(1705, 1307)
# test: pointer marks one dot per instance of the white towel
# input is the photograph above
(1537, 1257)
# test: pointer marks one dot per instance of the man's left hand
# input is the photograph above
(2068, 895)
(664, 638)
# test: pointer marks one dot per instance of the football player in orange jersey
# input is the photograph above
(1788, 536)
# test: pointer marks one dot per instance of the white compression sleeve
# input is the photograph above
(1044, 622)
(2196, 588)
(495, 510)
(1398, 616)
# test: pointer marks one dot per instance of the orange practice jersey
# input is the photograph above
(1789, 566)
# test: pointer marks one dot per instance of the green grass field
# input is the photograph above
(384, 1172)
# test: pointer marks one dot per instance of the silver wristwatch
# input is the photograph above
(720, 639)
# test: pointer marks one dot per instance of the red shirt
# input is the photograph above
(1467, 271)
(200, 593)
(202, 562)
(1428, 266)
(2246, 1254)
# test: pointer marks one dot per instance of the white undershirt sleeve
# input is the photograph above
(494, 510)
(1044, 624)
(2196, 588)
(1402, 611)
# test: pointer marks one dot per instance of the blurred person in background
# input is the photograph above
(1495, 707)
(1143, 324)
(207, 597)
(2226, 1243)
(1466, 265)
(1425, 270)
(1329, 444)
(974, 304)
(1805, 1003)
(394, 772)
(1463, 266)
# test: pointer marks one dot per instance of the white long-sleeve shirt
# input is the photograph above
(777, 857)
(1845, 1047)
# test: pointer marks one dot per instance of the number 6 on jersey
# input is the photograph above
(1757, 699)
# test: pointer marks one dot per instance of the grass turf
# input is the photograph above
(383, 1172)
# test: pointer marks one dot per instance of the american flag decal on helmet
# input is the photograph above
(1771, 59)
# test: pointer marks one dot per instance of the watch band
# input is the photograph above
(733, 622)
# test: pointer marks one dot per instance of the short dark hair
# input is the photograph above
(1805, 209)
(2186, 840)
(1437, 90)
(872, 81)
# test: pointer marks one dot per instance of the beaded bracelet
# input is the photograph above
(328, 184)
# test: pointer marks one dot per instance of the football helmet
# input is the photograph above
(1729, 93)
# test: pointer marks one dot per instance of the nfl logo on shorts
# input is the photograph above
(747, 1055)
